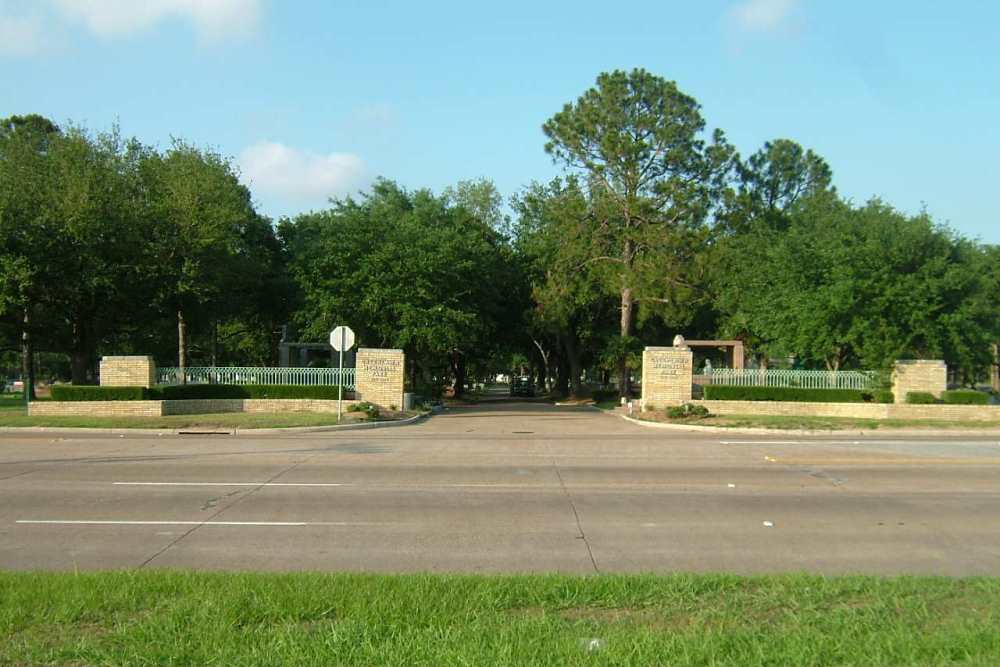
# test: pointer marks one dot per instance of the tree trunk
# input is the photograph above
(627, 320)
(181, 345)
(458, 368)
(80, 354)
(562, 374)
(27, 355)
(215, 341)
(545, 363)
(573, 361)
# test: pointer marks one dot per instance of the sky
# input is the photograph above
(315, 99)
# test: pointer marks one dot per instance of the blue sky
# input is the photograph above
(315, 98)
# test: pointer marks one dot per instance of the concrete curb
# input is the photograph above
(221, 431)
(989, 433)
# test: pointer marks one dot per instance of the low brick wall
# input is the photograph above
(95, 409)
(855, 410)
(187, 407)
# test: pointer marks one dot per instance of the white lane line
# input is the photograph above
(856, 442)
(760, 442)
(268, 524)
(226, 484)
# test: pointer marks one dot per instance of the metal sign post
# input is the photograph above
(341, 340)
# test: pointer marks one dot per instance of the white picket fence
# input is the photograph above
(258, 375)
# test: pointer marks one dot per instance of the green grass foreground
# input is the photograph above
(832, 423)
(18, 417)
(174, 618)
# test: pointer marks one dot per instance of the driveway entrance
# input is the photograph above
(505, 487)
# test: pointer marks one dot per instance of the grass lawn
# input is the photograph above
(175, 618)
(819, 423)
(18, 417)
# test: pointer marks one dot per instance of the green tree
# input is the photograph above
(404, 270)
(861, 287)
(26, 238)
(199, 213)
(653, 179)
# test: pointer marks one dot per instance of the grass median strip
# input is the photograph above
(820, 423)
(18, 418)
(175, 618)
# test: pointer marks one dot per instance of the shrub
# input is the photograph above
(718, 392)
(276, 391)
(601, 395)
(883, 396)
(369, 409)
(920, 398)
(965, 397)
(67, 392)
(687, 411)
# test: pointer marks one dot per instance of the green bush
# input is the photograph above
(721, 392)
(601, 395)
(883, 396)
(920, 398)
(965, 397)
(68, 392)
(687, 411)
(369, 409)
(182, 392)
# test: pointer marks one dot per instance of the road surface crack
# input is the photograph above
(576, 515)
(223, 509)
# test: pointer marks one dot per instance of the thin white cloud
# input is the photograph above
(277, 169)
(21, 35)
(763, 15)
(213, 19)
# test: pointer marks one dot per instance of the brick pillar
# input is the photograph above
(128, 372)
(919, 375)
(667, 373)
(380, 377)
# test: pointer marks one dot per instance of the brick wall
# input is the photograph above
(188, 407)
(855, 410)
(379, 377)
(666, 376)
(929, 376)
(293, 405)
(96, 409)
(128, 372)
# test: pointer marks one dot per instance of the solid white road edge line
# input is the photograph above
(226, 484)
(89, 522)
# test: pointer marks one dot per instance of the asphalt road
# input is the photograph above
(502, 488)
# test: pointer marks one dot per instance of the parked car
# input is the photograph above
(522, 386)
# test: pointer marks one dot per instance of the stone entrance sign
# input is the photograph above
(919, 375)
(666, 376)
(128, 372)
(380, 376)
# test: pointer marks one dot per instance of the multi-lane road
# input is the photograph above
(505, 487)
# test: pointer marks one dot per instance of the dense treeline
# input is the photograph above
(657, 227)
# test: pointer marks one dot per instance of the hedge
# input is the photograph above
(965, 397)
(183, 392)
(207, 391)
(68, 392)
(920, 398)
(721, 392)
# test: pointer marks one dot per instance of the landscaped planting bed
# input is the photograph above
(715, 392)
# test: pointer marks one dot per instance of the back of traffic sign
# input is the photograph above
(342, 339)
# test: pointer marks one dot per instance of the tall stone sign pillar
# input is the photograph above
(379, 377)
(919, 375)
(666, 375)
(128, 372)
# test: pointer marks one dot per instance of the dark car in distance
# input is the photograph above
(522, 386)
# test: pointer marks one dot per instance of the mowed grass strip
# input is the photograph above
(175, 618)
(821, 423)
(19, 418)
